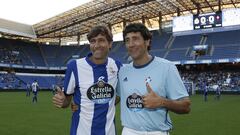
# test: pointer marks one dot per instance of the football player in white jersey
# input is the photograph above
(149, 87)
(91, 82)
(35, 88)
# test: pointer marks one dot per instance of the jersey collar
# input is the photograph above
(93, 64)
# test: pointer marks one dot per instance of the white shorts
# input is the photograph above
(128, 131)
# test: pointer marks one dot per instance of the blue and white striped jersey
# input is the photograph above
(94, 89)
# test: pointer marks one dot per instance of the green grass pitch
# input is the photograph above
(19, 116)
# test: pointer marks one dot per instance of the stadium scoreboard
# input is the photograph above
(227, 19)
(210, 20)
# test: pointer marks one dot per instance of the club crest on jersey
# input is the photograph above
(112, 71)
(100, 92)
(135, 102)
(148, 80)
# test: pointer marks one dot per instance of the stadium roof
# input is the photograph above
(10, 27)
(79, 20)
(17, 17)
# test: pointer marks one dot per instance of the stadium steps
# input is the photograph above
(211, 50)
(27, 55)
(170, 42)
(201, 40)
(159, 40)
(189, 54)
(204, 40)
(238, 55)
(165, 55)
(43, 54)
(188, 51)
(75, 52)
(177, 54)
(20, 80)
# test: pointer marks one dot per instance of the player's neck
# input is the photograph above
(98, 61)
(142, 61)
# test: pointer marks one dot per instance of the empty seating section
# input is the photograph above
(175, 54)
(158, 52)
(63, 55)
(34, 53)
(119, 52)
(223, 38)
(84, 51)
(50, 53)
(223, 44)
(120, 56)
(159, 40)
(186, 41)
(226, 52)
(120, 47)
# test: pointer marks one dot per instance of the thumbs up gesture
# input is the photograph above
(151, 100)
(59, 100)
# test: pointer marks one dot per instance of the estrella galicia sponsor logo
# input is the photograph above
(135, 102)
(100, 92)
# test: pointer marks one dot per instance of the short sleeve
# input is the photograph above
(69, 80)
(174, 86)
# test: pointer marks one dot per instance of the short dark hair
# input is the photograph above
(100, 29)
(138, 27)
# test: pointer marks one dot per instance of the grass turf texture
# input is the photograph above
(19, 116)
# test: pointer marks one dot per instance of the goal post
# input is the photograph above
(190, 87)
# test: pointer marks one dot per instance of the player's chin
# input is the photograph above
(99, 55)
(133, 53)
(134, 56)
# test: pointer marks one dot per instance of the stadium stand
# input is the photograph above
(20, 80)
(159, 41)
(227, 80)
(223, 46)
(53, 56)
(32, 54)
